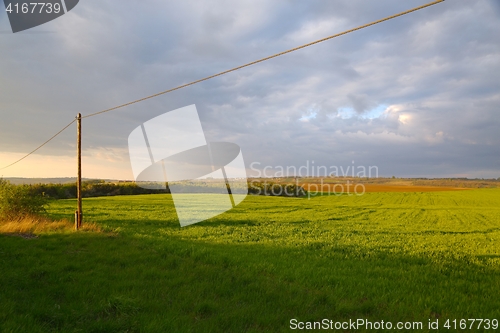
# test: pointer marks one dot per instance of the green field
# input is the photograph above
(381, 256)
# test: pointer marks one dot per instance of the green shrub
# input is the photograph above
(20, 200)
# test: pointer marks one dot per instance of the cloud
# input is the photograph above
(360, 103)
(417, 95)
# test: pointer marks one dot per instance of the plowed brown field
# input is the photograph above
(358, 188)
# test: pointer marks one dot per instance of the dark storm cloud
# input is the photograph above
(415, 96)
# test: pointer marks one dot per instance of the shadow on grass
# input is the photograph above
(95, 283)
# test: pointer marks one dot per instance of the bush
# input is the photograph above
(91, 189)
(20, 200)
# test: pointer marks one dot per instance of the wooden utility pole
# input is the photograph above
(78, 213)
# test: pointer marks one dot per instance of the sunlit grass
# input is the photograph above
(36, 224)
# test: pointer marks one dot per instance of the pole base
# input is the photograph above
(77, 222)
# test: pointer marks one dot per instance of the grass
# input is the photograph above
(29, 225)
(380, 256)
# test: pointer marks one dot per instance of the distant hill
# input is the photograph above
(66, 180)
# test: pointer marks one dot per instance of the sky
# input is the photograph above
(417, 96)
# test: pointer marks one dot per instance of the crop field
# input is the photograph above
(391, 256)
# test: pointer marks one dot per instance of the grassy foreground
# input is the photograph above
(381, 256)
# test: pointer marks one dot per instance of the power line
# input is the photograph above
(43, 144)
(264, 59)
(229, 71)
